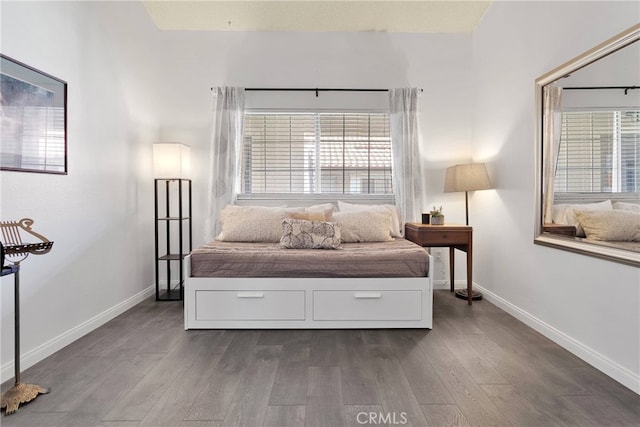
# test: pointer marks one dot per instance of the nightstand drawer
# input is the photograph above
(444, 237)
(438, 235)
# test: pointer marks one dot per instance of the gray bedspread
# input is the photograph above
(397, 258)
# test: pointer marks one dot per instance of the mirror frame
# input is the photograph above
(614, 44)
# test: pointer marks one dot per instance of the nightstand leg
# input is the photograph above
(452, 266)
(469, 276)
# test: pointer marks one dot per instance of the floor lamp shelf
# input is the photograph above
(173, 236)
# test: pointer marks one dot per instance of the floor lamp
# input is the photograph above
(467, 177)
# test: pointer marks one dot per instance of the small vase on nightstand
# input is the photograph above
(437, 217)
(437, 220)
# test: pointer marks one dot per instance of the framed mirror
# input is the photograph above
(588, 152)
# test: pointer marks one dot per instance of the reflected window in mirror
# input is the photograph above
(588, 186)
(599, 152)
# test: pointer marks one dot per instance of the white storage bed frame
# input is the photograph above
(307, 303)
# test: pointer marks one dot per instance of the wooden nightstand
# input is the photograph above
(451, 236)
(562, 229)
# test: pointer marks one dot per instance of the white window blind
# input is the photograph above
(316, 153)
(599, 152)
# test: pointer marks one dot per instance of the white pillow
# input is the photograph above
(565, 213)
(633, 207)
(251, 223)
(322, 207)
(309, 216)
(394, 219)
(364, 226)
(614, 225)
(327, 208)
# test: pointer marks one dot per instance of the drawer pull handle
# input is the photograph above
(367, 295)
(250, 294)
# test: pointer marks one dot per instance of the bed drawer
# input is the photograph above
(367, 305)
(250, 305)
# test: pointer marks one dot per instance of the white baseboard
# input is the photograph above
(441, 284)
(614, 370)
(45, 350)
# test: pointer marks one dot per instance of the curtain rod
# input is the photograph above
(626, 88)
(316, 90)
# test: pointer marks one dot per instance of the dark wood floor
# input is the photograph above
(478, 366)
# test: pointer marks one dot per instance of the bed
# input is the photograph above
(255, 285)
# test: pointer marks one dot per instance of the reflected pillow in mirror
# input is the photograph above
(565, 213)
(633, 207)
(614, 225)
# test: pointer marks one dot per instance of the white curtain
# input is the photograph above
(226, 145)
(551, 129)
(405, 142)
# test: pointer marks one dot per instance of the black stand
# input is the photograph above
(163, 224)
(19, 393)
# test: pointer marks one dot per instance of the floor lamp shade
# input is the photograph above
(171, 160)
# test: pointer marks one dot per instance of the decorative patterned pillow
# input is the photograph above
(364, 226)
(251, 224)
(613, 225)
(394, 226)
(302, 234)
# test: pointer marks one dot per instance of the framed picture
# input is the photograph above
(33, 119)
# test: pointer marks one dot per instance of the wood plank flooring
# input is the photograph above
(477, 367)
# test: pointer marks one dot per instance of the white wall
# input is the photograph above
(100, 215)
(589, 305)
(440, 64)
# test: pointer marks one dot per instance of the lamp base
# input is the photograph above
(20, 393)
(462, 294)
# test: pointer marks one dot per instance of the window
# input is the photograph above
(599, 152)
(316, 153)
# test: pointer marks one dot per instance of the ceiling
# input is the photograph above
(417, 16)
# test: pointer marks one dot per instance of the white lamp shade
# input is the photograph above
(171, 160)
(469, 177)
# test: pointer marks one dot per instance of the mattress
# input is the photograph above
(396, 258)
